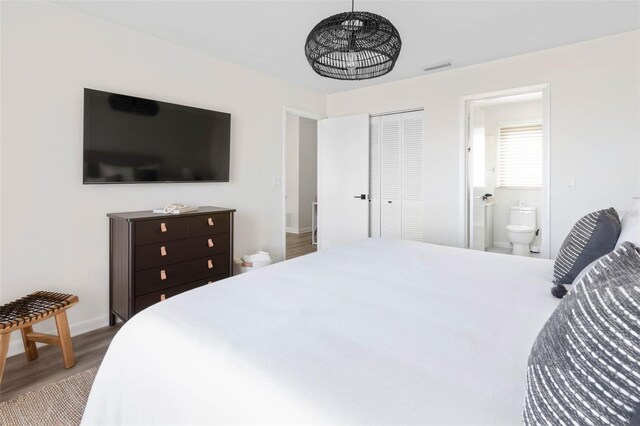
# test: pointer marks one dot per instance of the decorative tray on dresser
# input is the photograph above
(155, 256)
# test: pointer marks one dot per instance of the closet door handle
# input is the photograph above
(361, 196)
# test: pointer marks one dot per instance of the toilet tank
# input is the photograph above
(523, 216)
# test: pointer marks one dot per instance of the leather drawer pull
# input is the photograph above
(210, 222)
(163, 227)
(162, 297)
(210, 242)
(163, 251)
(210, 264)
(163, 275)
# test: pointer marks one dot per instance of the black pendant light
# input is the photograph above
(353, 46)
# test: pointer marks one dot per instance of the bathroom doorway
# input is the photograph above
(300, 182)
(507, 172)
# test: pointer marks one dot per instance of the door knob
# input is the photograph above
(361, 196)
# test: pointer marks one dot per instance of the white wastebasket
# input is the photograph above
(249, 262)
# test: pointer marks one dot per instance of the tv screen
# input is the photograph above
(135, 140)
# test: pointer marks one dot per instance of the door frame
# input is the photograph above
(465, 205)
(300, 113)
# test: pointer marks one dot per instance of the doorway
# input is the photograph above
(300, 183)
(507, 172)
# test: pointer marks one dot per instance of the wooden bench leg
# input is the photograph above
(65, 339)
(30, 349)
(4, 349)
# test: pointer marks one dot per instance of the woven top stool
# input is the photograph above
(23, 313)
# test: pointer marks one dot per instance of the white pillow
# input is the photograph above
(630, 228)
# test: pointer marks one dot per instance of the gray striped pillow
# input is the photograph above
(594, 235)
(584, 367)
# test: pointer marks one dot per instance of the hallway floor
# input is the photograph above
(299, 245)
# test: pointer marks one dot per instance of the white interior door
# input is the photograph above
(374, 179)
(391, 177)
(412, 177)
(343, 180)
(477, 177)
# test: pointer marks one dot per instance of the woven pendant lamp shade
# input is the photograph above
(353, 46)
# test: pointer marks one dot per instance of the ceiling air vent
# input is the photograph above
(439, 65)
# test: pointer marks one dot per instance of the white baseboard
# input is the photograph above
(298, 231)
(16, 347)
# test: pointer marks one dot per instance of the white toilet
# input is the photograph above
(521, 229)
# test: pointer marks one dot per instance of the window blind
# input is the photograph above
(520, 156)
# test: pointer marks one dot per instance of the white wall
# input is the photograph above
(292, 172)
(495, 117)
(55, 233)
(308, 171)
(302, 171)
(595, 127)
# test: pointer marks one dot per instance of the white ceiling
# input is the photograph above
(269, 36)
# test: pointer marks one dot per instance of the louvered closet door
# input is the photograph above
(390, 177)
(374, 177)
(412, 177)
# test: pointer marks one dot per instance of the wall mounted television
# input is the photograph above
(135, 140)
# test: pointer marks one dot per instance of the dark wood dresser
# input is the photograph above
(155, 256)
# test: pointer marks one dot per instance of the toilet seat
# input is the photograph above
(520, 229)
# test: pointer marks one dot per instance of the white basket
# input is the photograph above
(250, 262)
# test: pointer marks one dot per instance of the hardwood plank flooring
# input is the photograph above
(22, 376)
(299, 245)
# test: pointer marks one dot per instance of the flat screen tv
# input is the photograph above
(135, 140)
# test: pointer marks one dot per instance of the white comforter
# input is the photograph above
(377, 331)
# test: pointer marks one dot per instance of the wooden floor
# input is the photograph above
(299, 245)
(21, 376)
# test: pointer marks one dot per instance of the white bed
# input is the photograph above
(377, 331)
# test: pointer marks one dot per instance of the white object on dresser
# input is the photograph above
(176, 209)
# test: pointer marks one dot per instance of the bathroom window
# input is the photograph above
(520, 156)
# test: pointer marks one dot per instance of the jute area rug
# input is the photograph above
(59, 403)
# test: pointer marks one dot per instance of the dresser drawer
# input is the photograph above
(142, 302)
(161, 278)
(208, 245)
(208, 224)
(156, 231)
(153, 255)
